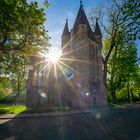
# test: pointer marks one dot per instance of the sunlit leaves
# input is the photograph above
(22, 33)
(21, 25)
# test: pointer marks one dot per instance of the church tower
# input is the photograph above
(79, 81)
(84, 48)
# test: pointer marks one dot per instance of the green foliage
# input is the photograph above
(21, 26)
(120, 25)
(120, 53)
(4, 88)
(12, 109)
(122, 68)
(46, 3)
(22, 33)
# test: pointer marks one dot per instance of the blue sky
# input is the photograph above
(57, 13)
(59, 10)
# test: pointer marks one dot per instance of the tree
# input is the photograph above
(120, 68)
(118, 48)
(21, 26)
(131, 14)
(22, 33)
(112, 27)
(133, 84)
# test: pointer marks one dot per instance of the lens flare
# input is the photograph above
(70, 75)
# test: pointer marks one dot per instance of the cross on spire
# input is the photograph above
(81, 3)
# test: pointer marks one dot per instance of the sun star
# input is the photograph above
(54, 54)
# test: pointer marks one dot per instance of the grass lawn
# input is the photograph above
(15, 109)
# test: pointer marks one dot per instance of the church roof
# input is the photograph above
(66, 29)
(82, 19)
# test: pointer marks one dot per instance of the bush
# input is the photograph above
(14, 109)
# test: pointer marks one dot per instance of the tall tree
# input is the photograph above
(111, 28)
(119, 49)
(120, 68)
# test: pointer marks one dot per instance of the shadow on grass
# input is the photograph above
(107, 123)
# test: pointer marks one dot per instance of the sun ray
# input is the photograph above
(73, 87)
(67, 44)
(72, 51)
(55, 61)
(67, 65)
(46, 66)
(81, 75)
(61, 70)
(68, 59)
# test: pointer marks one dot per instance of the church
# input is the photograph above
(79, 81)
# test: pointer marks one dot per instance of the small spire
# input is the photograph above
(66, 29)
(81, 3)
(97, 28)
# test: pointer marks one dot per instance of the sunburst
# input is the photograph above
(55, 62)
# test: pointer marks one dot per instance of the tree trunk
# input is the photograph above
(18, 84)
(113, 94)
(128, 93)
(106, 61)
(132, 95)
(105, 73)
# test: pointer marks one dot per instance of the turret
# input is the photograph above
(98, 33)
(65, 35)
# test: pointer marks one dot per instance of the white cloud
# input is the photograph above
(70, 14)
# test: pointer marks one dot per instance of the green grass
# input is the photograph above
(11, 109)
(45, 110)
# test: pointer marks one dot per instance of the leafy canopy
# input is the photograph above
(21, 26)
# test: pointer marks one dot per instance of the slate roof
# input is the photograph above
(82, 19)
(66, 29)
(97, 29)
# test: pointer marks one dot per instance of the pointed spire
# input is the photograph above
(97, 28)
(66, 29)
(81, 17)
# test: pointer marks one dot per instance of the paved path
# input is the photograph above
(118, 123)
